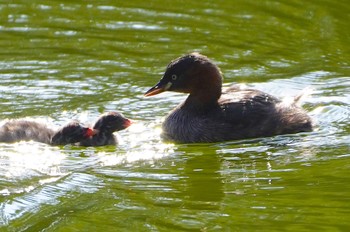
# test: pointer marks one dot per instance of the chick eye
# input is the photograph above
(173, 77)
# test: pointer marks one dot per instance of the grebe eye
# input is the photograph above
(173, 77)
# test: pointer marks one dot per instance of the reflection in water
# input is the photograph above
(203, 183)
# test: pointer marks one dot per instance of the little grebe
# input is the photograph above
(72, 133)
(105, 126)
(24, 130)
(211, 115)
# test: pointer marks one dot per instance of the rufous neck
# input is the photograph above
(203, 100)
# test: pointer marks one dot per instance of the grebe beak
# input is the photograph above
(158, 88)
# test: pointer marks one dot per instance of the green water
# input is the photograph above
(64, 60)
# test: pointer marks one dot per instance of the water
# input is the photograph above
(64, 60)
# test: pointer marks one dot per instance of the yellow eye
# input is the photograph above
(173, 77)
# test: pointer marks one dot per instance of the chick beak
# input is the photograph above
(91, 132)
(127, 123)
(158, 88)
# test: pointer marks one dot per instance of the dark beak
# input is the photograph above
(158, 88)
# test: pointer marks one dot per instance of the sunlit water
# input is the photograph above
(61, 61)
